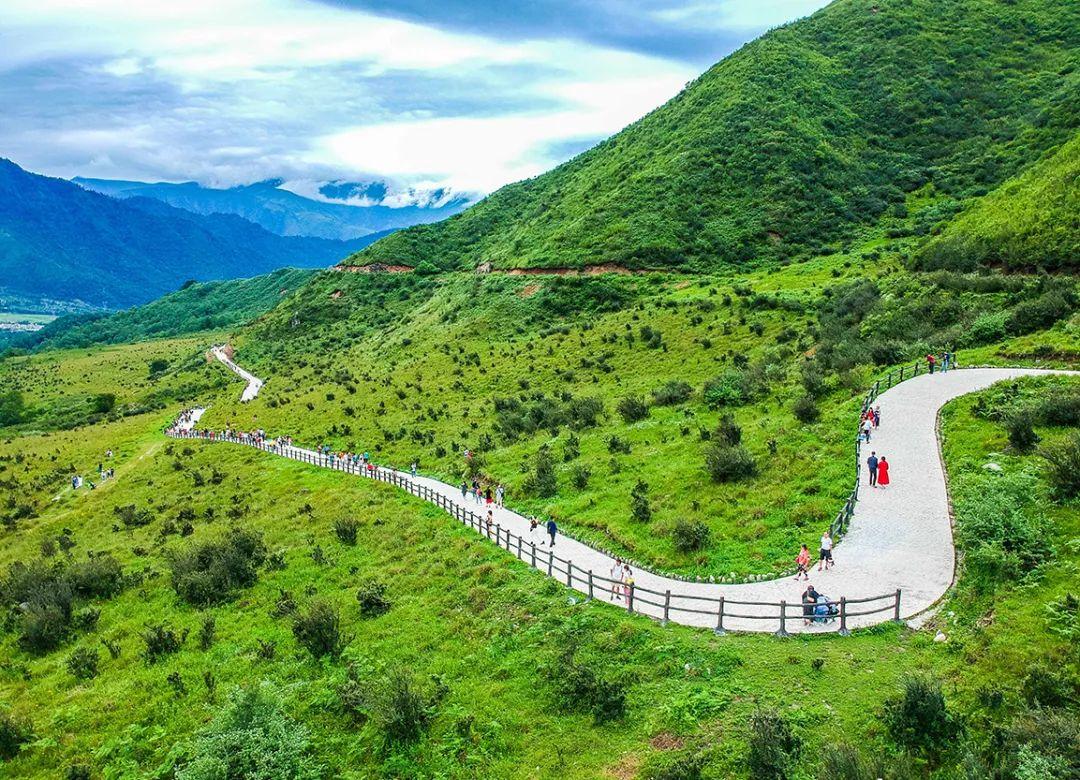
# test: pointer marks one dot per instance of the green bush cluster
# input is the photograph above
(210, 572)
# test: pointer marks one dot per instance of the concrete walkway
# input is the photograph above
(254, 384)
(899, 538)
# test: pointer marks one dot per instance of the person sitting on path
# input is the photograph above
(803, 562)
(871, 467)
(809, 603)
(825, 553)
(552, 529)
(616, 581)
(883, 472)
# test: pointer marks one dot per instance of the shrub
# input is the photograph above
(727, 431)
(632, 408)
(806, 410)
(252, 738)
(774, 748)
(372, 598)
(78, 772)
(14, 733)
(319, 630)
(813, 380)
(729, 464)
(572, 448)
(346, 529)
(1062, 409)
(207, 632)
(581, 687)
(728, 389)
(689, 535)
(579, 477)
(1039, 313)
(672, 393)
(1063, 616)
(919, 719)
(400, 707)
(1046, 687)
(1064, 466)
(845, 762)
(132, 516)
(542, 481)
(161, 640)
(681, 765)
(640, 510)
(99, 576)
(83, 663)
(211, 572)
(1020, 427)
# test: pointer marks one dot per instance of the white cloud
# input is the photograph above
(739, 14)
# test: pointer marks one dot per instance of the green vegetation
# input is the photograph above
(197, 306)
(792, 142)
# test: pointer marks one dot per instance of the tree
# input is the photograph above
(12, 408)
(639, 502)
(542, 481)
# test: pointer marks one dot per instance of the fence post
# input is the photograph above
(519, 548)
(719, 630)
(551, 560)
(667, 607)
(533, 545)
(569, 574)
(782, 632)
(896, 613)
(498, 535)
(843, 617)
(590, 585)
(630, 598)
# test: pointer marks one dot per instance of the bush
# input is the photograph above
(640, 510)
(682, 765)
(14, 733)
(806, 410)
(211, 572)
(132, 516)
(207, 632)
(729, 464)
(83, 663)
(542, 481)
(1042, 312)
(672, 393)
(1061, 409)
(919, 719)
(161, 640)
(43, 627)
(730, 388)
(774, 748)
(845, 762)
(579, 477)
(400, 707)
(689, 535)
(1064, 466)
(252, 738)
(346, 529)
(1049, 687)
(632, 408)
(581, 687)
(728, 431)
(1020, 427)
(319, 630)
(572, 448)
(78, 772)
(372, 598)
(99, 576)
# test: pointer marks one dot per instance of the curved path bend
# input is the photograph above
(899, 537)
(254, 384)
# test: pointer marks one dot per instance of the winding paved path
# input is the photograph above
(899, 537)
(254, 384)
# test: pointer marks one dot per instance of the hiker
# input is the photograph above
(500, 494)
(867, 426)
(931, 362)
(871, 466)
(877, 416)
(490, 521)
(825, 552)
(803, 562)
(945, 359)
(476, 490)
(809, 604)
(412, 469)
(628, 581)
(489, 496)
(533, 525)
(616, 581)
(464, 488)
(883, 472)
(552, 529)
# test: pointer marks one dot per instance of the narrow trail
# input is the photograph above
(254, 384)
(899, 540)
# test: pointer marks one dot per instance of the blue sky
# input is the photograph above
(469, 94)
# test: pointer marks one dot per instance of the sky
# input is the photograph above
(465, 94)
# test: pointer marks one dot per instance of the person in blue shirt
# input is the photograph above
(871, 464)
(552, 529)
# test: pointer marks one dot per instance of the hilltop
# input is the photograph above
(791, 143)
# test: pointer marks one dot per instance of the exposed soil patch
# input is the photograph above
(374, 268)
(588, 270)
(528, 291)
(666, 741)
(336, 294)
(626, 769)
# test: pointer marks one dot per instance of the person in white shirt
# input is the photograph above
(825, 553)
(616, 581)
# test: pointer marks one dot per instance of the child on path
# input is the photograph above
(883, 472)
(803, 562)
(628, 581)
(616, 581)
(871, 467)
(825, 552)
(552, 529)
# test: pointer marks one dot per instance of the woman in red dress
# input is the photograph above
(882, 472)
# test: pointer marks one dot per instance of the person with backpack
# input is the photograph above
(803, 562)
(931, 362)
(871, 466)
(500, 494)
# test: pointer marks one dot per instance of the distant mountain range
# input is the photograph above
(61, 241)
(350, 209)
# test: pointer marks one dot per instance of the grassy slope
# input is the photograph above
(790, 142)
(1033, 220)
(468, 613)
(196, 307)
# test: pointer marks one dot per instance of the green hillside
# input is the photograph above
(791, 142)
(194, 307)
(1031, 221)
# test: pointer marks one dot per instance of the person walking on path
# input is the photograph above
(945, 359)
(871, 466)
(489, 497)
(883, 472)
(533, 525)
(803, 562)
(825, 552)
(412, 469)
(616, 581)
(931, 362)
(500, 494)
(464, 488)
(877, 417)
(552, 529)
(628, 581)
(867, 427)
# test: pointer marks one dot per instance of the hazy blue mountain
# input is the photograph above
(371, 208)
(61, 241)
